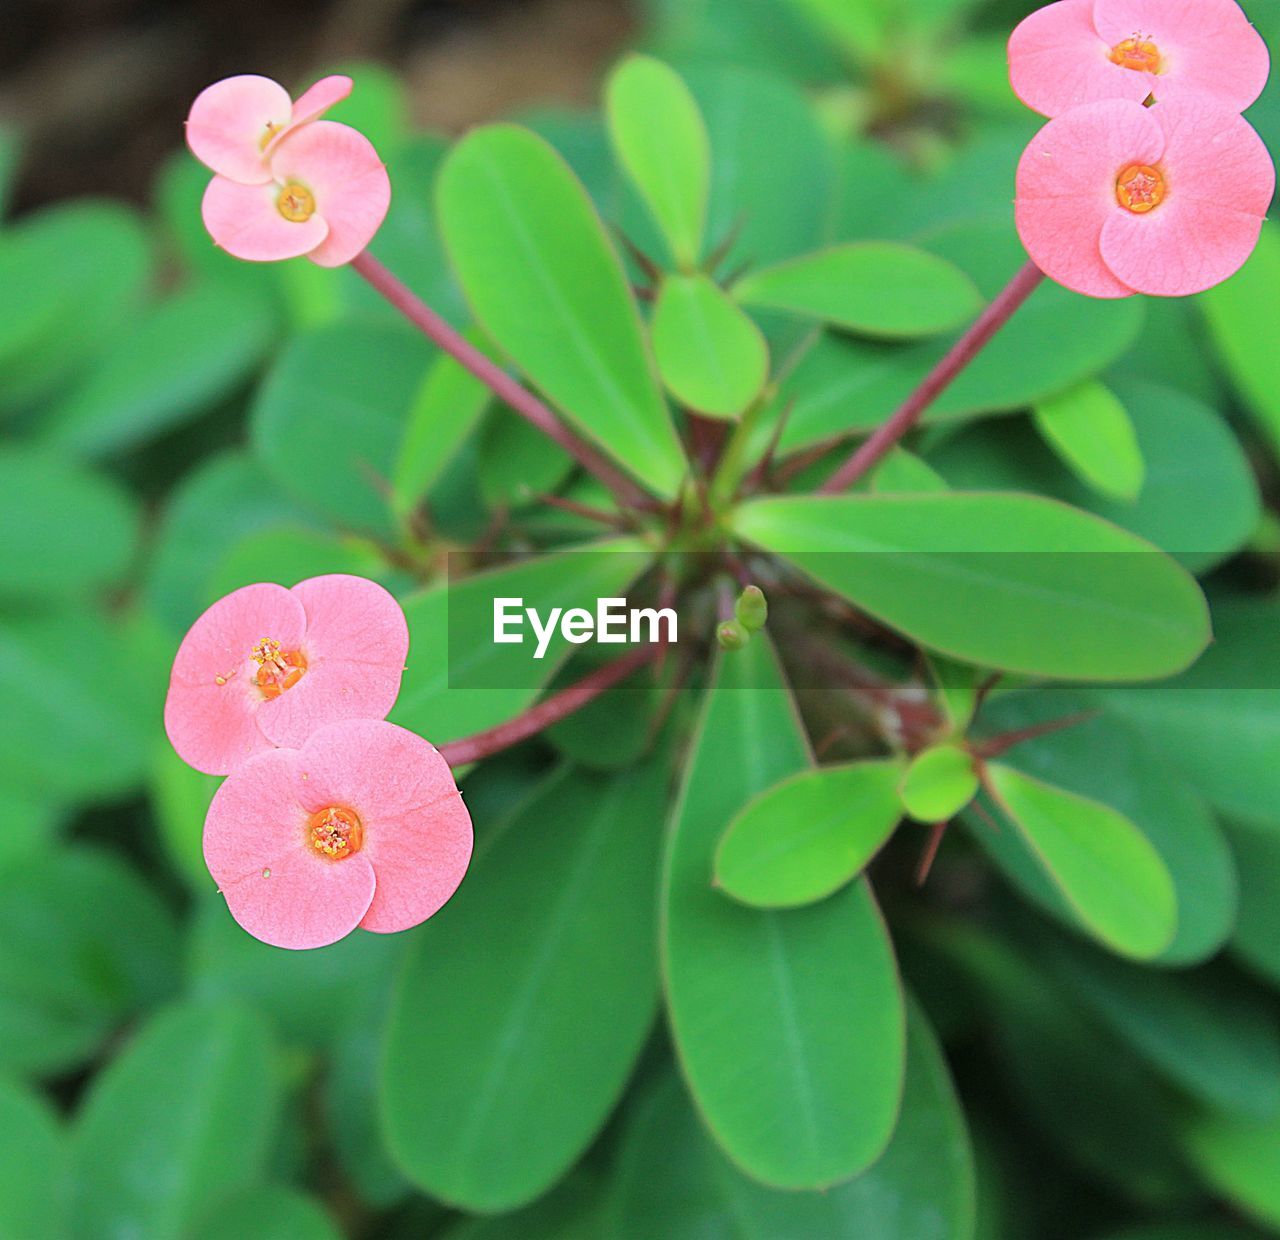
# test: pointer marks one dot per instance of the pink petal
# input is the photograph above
(351, 187)
(1220, 182)
(230, 120)
(313, 102)
(1058, 61)
(213, 726)
(1208, 47)
(1067, 189)
(417, 832)
(356, 644)
(256, 847)
(244, 221)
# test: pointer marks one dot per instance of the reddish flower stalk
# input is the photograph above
(870, 453)
(494, 377)
(559, 706)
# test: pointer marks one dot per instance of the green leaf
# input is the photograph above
(269, 1213)
(661, 141)
(445, 410)
(1240, 1158)
(956, 685)
(287, 554)
(902, 471)
(939, 783)
(73, 532)
(327, 423)
(59, 1004)
(1103, 865)
(1241, 318)
(1106, 760)
(523, 1006)
(1091, 431)
(877, 288)
(33, 1167)
(459, 680)
(184, 357)
(1256, 938)
(671, 1179)
(1199, 515)
(517, 463)
(180, 797)
(545, 284)
(1007, 581)
(1202, 1031)
(809, 835)
(191, 1104)
(821, 1047)
(713, 358)
(83, 268)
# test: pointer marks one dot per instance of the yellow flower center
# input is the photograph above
(278, 669)
(268, 132)
(335, 832)
(296, 203)
(1140, 188)
(1138, 53)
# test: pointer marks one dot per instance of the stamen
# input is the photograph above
(1140, 188)
(296, 203)
(1138, 53)
(267, 134)
(335, 832)
(278, 669)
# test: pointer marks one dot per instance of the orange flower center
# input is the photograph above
(1138, 53)
(296, 203)
(278, 669)
(335, 832)
(1140, 188)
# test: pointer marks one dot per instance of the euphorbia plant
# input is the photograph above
(705, 383)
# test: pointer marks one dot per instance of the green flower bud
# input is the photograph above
(752, 609)
(732, 635)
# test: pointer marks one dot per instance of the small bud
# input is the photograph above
(732, 635)
(752, 609)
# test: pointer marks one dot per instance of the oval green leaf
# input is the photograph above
(522, 1008)
(1104, 867)
(712, 357)
(876, 288)
(939, 783)
(33, 1167)
(809, 835)
(659, 137)
(822, 1047)
(1014, 582)
(547, 287)
(1089, 428)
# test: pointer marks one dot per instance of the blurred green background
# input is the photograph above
(164, 1075)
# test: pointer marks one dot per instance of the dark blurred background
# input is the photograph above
(99, 88)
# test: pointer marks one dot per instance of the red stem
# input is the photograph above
(990, 321)
(470, 749)
(493, 377)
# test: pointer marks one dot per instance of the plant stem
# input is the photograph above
(470, 749)
(524, 402)
(991, 320)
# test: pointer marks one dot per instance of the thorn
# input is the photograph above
(927, 858)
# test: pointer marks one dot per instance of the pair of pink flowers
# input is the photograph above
(287, 183)
(1146, 179)
(330, 818)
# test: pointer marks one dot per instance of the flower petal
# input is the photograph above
(213, 725)
(1067, 189)
(1208, 47)
(230, 120)
(352, 190)
(1058, 61)
(356, 643)
(244, 221)
(277, 887)
(1220, 182)
(312, 103)
(417, 832)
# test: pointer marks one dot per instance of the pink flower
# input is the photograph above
(235, 124)
(267, 666)
(1083, 51)
(1114, 198)
(287, 184)
(362, 826)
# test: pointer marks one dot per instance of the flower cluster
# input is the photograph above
(330, 817)
(1146, 178)
(286, 182)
